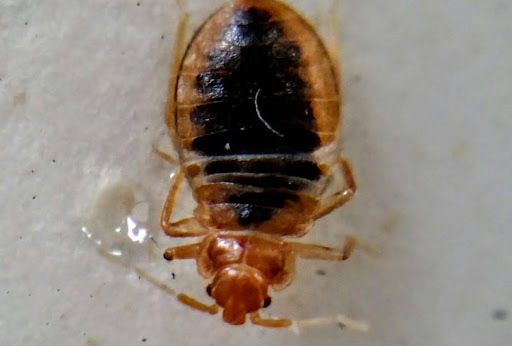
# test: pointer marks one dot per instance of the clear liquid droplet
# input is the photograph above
(117, 223)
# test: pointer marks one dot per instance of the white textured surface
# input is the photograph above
(428, 125)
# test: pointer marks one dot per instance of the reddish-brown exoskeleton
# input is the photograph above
(254, 111)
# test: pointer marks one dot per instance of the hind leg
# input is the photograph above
(344, 196)
(188, 227)
(179, 49)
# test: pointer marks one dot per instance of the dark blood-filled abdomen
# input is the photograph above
(250, 111)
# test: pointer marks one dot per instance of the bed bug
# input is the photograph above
(254, 111)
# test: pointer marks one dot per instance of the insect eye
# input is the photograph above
(209, 290)
(267, 302)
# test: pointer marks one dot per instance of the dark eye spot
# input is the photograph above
(209, 290)
(267, 302)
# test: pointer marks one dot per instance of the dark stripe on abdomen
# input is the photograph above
(258, 180)
(284, 165)
(256, 101)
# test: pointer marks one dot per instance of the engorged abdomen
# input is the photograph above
(254, 103)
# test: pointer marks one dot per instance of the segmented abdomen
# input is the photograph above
(247, 109)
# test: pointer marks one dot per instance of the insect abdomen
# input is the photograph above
(249, 107)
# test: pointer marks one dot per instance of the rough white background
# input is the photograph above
(427, 125)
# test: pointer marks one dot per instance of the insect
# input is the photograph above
(254, 112)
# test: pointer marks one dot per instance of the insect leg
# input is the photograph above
(171, 199)
(188, 227)
(269, 322)
(324, 252)
(345, 195)
(179, 49)
(165, 156)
